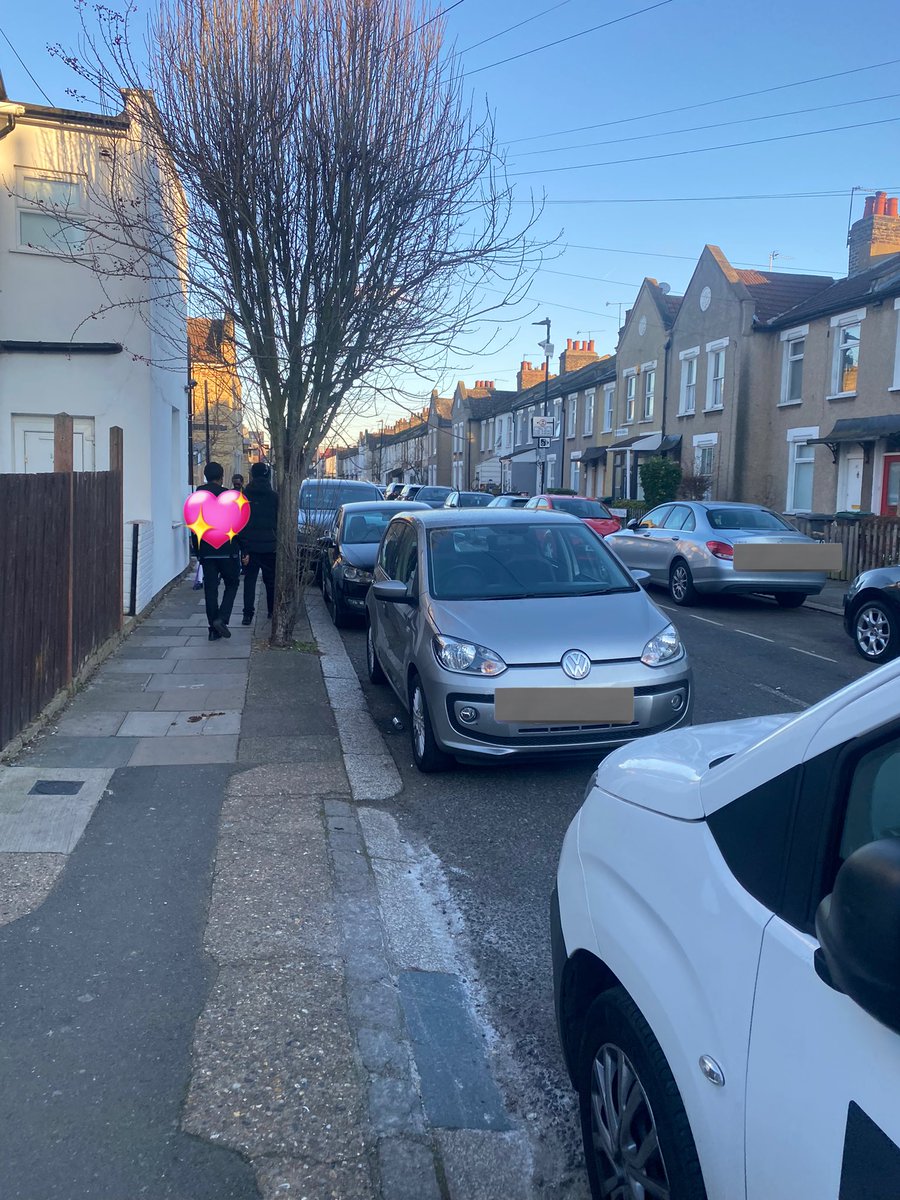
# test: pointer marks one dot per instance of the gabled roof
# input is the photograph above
(772, 292)
(443, 406)
(878, 282)
(207, 337)
(667, 304)
(482, 407)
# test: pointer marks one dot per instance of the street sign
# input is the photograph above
(542, 427)
(544, 443)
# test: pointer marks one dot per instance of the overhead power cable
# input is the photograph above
(437, 15)
(559, 41)
(784, 137)
(25, 69)
(842, 193)
(641, 137)
(686, 258)
(665, 112)
(510, 28)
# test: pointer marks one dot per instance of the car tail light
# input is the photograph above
(721, 549)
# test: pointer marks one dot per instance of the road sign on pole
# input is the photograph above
(544, 443)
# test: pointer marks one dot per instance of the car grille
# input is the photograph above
(567, 729)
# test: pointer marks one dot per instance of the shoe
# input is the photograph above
(213, 636)
(221, 628)
(247, 620)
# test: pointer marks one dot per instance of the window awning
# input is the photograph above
(594, 454)
(863, 431)
(645, 443)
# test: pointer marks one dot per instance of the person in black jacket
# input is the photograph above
(258, 538)
(223, 563)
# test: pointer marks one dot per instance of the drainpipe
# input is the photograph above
(667, 346)
(10, 111)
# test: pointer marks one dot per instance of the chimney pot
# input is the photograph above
(591, 345)
(870, 207)
(568, 343)
(880, 198)
(891, 209)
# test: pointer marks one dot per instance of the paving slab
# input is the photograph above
(90, 724)
(34, 820)
(146, 724)
(202, 699)
(59, 750)
(157, 639)
(217, 651)
(183, 751)
(229, 679)
(211, 666)
(132, 650)
(137, 666)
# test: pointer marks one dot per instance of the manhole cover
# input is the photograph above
(57, 787)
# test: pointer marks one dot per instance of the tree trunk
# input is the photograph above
(287, 591)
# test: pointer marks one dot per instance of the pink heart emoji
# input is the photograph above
(216, 519)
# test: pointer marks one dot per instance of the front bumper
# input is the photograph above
(663, 700)
(354, 595)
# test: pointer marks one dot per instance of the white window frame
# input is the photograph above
(575, 475)
(557, 417)
(26, 207)
(571, 407)
(686, 356)
(648, 372)
(609, 407)
(630, 394)
(713, 350)
(795, 438)
(587, 421)
(895, 386)
(838, 325)
(483, 435)
(701, 442)
(789, 338)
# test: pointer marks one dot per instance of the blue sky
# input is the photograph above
(683, 52)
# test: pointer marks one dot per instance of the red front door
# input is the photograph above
(890, 486)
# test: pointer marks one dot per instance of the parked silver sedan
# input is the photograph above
(508, 633)
(688, 548)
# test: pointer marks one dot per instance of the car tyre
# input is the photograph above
(373, 666)
(876, 631)
(790, 599)
(339, 614)
(427, 754)
(618, 1047)
(681, 583)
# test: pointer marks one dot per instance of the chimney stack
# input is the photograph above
(527, 376)
(876, 235)
(576, 355)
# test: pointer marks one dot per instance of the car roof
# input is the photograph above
(434, 517)
(393, 506)
(554, 496)
(344, 483)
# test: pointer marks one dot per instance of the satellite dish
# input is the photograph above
(665, 288)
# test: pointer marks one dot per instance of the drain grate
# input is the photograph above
(57, 787)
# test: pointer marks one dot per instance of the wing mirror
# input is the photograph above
(633, 523)
(393, 591)
(640, 577)
(326, 541)
(858, 927)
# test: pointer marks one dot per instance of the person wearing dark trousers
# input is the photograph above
(222, 563)
(258, 538)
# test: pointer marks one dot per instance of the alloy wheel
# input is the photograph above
(626, 1145)
(418, 720)
(679, 582)
(873, 631)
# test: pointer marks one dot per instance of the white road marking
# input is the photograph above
(707, 620)
(812, 654)
(781, 695)
(758, 636)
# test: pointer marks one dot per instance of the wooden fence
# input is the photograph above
(61, 577)
(867, 541)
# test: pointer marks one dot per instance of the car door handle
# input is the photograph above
(674, 539)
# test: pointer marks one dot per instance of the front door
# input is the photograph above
(890, 486)
(850, 491)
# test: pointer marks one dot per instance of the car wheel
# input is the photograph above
(335, 607)
(876, 631)
(637, 1139)
(790, 599)
(376, 674)
(427, 755)
(681, 583)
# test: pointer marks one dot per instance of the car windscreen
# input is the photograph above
(433, 493)
(474, 499)
(506, 561)
(325, 494)
(365, 528)
(747, 518)
(585, 509)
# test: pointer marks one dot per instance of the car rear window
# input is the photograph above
(474, 499)
(328, 494)
(433, 493)
(592, 509)
(534, 559)
(747, 518)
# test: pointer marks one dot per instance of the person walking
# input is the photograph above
(222, 563)
(258, 539)
(237, 483)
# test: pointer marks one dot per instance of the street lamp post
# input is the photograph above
(547, 347)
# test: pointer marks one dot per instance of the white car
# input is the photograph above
(726, 945)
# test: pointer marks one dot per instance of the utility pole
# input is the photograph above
(547, 347)
(206, 417)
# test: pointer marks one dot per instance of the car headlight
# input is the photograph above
(456, 655)
(355, 575)
(663, 648)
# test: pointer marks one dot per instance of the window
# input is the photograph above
(575, 475)
(571, 415)
(630, 393)
(587, 424)
(390, 546)
(705, 460)
(715, 379)
(801, 468)
(520, 426)
(792, 366)
(681, 517)
(895, 386)
(483, 435)
(649, 389)
(557, 418)
(687, 400)
(846, 359)
(48, 207)
(408, 558)
(609, 404)
(873, 802)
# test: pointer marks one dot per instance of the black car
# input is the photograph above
(872, 614)
(393, 490)
(433, 496)
(348, 554)
(468, 500)
(410, 491)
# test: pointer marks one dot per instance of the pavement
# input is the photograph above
(831, 598)
(224, 972)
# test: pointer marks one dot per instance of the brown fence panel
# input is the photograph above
(97, 577)
(867, 542)
(33, 596)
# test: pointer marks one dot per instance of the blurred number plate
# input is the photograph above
(769, 556)
(581, 705)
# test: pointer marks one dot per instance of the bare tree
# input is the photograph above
(343, 200)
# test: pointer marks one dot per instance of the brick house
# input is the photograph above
(216, 414)
(438, 451)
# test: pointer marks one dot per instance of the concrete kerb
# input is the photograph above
(370, 768)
